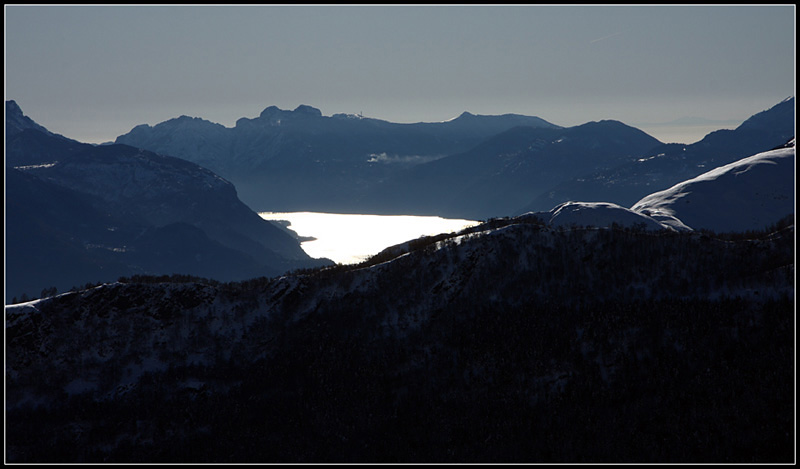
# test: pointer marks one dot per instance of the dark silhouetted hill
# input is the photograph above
(511, 342)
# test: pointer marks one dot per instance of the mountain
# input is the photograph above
(78, 213)
(600, 215)
(512, 341)
(16, 121)
(668, 164)
(470, 167)
(748, 194)
(301, 160)
(502, 173)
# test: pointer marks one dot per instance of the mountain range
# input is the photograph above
(656, 330)
(78, 213)
(301, 160)
(81, 213)
(475, 167)
(500, 175)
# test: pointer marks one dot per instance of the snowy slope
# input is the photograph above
(600, 214)
(748, 194)
(666, 165)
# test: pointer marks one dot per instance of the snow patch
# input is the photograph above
(601, 215)
(36, 166)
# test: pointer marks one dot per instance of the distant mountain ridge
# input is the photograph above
(296, 160)
(79, 213)
(499, 175)
(469, 167)
(253, 143)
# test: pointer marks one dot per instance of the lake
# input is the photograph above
(351, 238)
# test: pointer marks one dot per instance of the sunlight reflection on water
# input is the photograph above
(350, 238)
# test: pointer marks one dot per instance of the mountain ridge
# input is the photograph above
(292, 160)
(301, 160)
(668, 164)
(497, 176)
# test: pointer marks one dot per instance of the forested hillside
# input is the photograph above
(510, 342)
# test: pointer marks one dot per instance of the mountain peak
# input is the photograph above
(769, 118)
(12, 107)
(308, 110)
(273, 112)
(17, 121)
(270, 111)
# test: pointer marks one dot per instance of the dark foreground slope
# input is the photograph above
(514, 342)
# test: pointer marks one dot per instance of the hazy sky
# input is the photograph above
(93, 72)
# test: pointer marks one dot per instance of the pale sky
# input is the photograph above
(94, 72)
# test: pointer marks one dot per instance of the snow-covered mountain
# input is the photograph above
(668, 164)
(600, 215)
(748, 194)
(78, 213)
